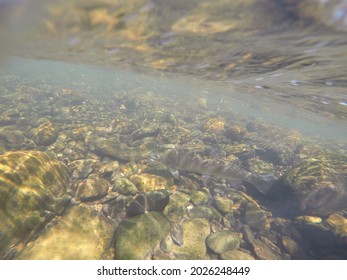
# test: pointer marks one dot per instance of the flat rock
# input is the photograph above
(92, 189)
(136, 237)
(222, 241)
(149, 182)
(195, 232)
(81, 234)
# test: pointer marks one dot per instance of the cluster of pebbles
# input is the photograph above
(78, 181)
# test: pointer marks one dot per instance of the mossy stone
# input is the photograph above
(206, 212)
(222, 241)
(195, 232)
(137, 236)
(149, 182)
(199, 197)
(236, 255)
(92, 189)
(81, 234)
(125, 186)
(33, 187)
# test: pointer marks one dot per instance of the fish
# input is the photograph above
(189, 161)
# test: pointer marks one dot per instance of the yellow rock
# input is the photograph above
(309, 219)
(81, 234)
(45, 134)
(338, 223)
(32, 184)
(195, 232)
(148, 182)
(215, 125)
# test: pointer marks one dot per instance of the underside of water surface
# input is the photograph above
(173, 130)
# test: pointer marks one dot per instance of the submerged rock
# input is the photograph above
(338, 224)
(136, 237)
(92, 189)
(147, 182)
(81, 168)
(262, 247)
(199, 197)
(32, 185)
(177, 207)
(254, 217)
(195, 232)
(13, 138)
(45, 134)
(114, 148)
(209, 213)
(319, 183)
(236, 255)
(215, 125)
(293, 248)
(225, 205)
(124, 186)
(223, 241)
(259, 166)
(274, 144)
(149, 201)
(81, 234)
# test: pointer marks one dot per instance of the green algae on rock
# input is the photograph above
(177, 207)
(124, 186)
(115, 149)
(136, 237)
(80, 234)
(222, 241)
(199, 197)
(92, 189)
(209, 213)
(45, 134)
(236, 255)
(148, 182)
(195, 232)
(319, 183)
(275, 144)
(32, 185)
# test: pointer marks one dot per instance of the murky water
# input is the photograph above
(102, 86)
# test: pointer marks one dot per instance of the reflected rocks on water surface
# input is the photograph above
(115, 164)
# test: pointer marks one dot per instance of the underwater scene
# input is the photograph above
(173, 130)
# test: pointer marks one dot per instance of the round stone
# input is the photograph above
(136, 237)
(124, 186)
(199, 197)
(225, 205)
(223, 241)
(236, 255)
(45, 134)
(92, 189)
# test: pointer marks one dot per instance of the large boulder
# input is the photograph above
(81, 234)
(32, 189)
